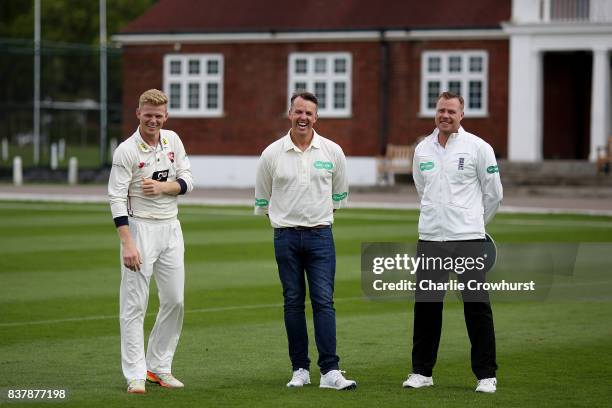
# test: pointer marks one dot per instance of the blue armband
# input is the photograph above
(119, 221)
(183, 185)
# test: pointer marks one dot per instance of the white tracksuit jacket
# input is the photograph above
(459, 187)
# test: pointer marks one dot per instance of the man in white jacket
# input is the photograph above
(457, 179)
(150, 169)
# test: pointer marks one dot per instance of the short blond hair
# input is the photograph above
(153, 97)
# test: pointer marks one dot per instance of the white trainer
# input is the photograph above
(136, 387)
(487, 385)
(417, 381)
(334, 379)
(301, 377)
(166, 380)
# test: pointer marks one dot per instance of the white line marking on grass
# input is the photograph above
(556, 223)
(46, 207)
(76, 198)
(203, 310)
(56, 198)
(413, 218)
(342, 216)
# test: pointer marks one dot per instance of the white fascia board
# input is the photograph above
(557, 28)
(340, 36)
(306, 36)
(473, 34)
(329, 35)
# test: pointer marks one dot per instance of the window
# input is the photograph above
(194, 84)
(328, 76)
(461, 72)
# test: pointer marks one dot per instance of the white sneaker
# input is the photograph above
(166, 380)
(334, 379)
(487, 385)
(300, 378)
(136, 387)
(417, 381)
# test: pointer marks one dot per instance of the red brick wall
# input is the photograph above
(255, 92)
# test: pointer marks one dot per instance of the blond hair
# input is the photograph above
(153, 97)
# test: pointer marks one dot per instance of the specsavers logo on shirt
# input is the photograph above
(339, 196)
(492, 169)
(323, 165)
(261, 202)
(426, 166)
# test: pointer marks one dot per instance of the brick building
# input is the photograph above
(230, 67)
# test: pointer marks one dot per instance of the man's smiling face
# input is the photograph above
(449, 114)
(303, 115)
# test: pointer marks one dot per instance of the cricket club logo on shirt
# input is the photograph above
(171, 156)
(461, 163)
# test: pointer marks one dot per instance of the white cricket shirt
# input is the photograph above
(134, 159)
(298, 188)
(459, 186)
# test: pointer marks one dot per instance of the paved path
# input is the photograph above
(541, 200)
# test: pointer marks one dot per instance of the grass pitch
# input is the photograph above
(59, 329)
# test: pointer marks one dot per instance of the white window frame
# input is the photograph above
(464, 77)
(329, 78)
(203, 78)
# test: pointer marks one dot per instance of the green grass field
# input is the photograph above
(59, 281)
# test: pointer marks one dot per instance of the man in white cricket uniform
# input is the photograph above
(301, 180)
(149, 170)
(457, 179)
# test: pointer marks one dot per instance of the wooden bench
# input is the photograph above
(398, 160)
(604, 157)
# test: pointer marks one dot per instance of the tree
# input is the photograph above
(69, 47)
(69, 65)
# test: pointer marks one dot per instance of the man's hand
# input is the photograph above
(129, 252)
(131, 256)
(152, 187)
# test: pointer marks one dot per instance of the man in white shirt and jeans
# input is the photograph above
(457, 179)
(301, 180)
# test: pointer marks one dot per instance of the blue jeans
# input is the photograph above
(311, 251)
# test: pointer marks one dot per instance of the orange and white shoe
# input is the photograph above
(136, 387)
(164, 379)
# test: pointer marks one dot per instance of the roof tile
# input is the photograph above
(226, 16)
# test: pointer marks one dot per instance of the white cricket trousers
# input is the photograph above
(162, 250)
